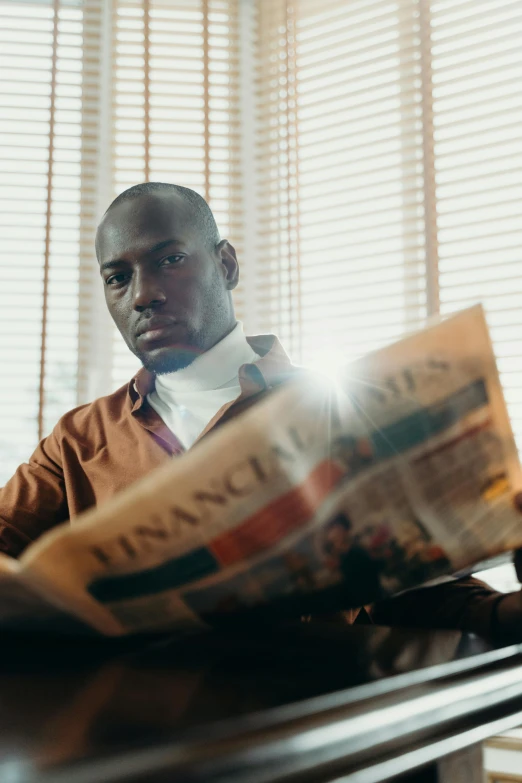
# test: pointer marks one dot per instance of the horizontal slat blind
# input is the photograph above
(390, 172)
(341, 182)
(40, 127)
(176, 113)
(477, 104)
(379, 123)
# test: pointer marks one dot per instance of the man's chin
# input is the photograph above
(171, 359)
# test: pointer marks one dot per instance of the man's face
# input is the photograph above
(167, 290)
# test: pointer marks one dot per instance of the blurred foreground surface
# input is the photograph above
(309, 701)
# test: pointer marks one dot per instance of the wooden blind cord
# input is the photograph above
(206, 95)
(292, 108)
(146, 87)
(428, 155)
(47, 248)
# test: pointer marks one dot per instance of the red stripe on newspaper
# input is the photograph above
(450, 443)
(275, 521)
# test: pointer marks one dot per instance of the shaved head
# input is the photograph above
(200, 210)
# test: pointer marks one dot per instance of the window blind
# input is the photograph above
(40, 129)
(477, 106)
(342, 178)
(176, 111)
(390, 173)
(381, 138)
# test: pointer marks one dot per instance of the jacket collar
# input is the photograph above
(271, 369)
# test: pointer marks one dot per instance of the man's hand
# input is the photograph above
(507, 622)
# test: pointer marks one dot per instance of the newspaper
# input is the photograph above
(322, 496)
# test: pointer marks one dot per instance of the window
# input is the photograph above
(40, 176)
(477, 109)
(350, 143)
(364, 156)
(391, 163)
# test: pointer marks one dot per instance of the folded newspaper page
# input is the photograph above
(323, 496)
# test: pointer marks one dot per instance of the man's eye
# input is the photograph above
(171, 260)
(115, 279)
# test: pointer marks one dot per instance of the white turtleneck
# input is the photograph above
(188, 399)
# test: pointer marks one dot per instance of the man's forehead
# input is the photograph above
(136, 225)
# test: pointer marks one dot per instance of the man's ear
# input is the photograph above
(229, 263)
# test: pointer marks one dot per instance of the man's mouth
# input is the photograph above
(156, 328)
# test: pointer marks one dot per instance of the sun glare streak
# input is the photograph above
(330, 375)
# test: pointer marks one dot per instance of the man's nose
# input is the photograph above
(147, 291)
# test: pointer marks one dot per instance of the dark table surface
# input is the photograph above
(80, 702)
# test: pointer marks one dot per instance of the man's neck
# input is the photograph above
(214, 369)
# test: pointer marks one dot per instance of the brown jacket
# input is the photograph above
(101, 448)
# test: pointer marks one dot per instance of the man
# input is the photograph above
(168, 279)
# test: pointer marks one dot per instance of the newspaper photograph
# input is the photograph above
(322, 496)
